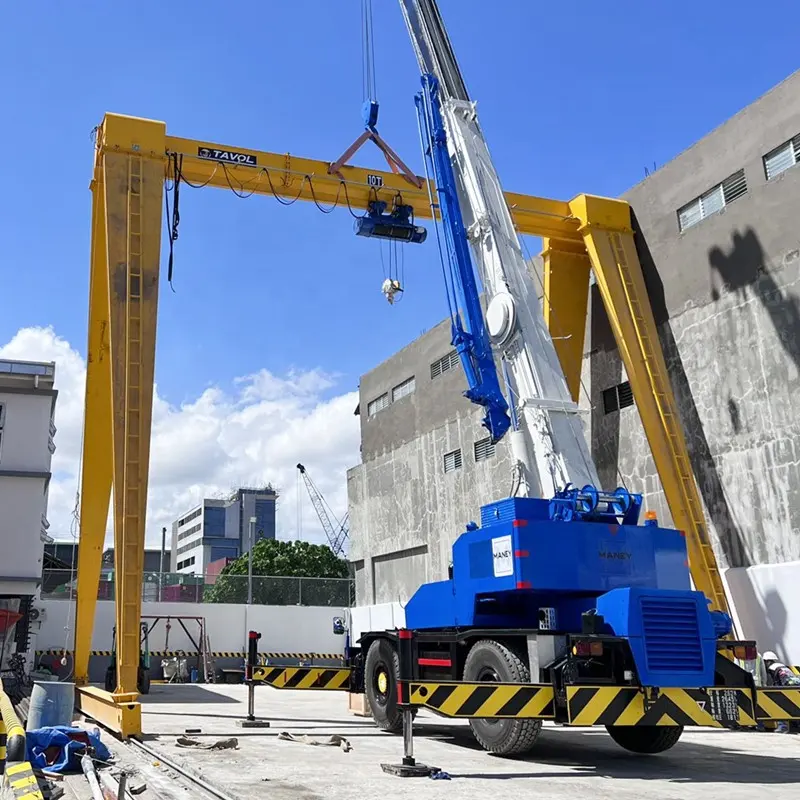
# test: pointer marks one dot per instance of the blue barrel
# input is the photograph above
(51, 703)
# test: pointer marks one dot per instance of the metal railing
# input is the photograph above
(171, 587)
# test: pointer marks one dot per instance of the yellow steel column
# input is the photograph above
(606, 227)
(134, 186)
(566, 295)
(96, 461)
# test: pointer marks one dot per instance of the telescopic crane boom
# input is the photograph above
(546, 433)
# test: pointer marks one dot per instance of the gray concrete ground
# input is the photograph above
(566, 763)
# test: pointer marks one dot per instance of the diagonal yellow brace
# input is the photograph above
(607, 231)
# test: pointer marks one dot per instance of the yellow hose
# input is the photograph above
(15, 742)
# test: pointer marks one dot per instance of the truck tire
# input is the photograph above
(381, 672)
(645, 739)
(143, 681)
(493, 662)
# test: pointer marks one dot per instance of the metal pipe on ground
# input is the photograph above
(87, 765)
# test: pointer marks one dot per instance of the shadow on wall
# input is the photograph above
(702, 460)
(762, 613)
(605, 369)
(744, 266)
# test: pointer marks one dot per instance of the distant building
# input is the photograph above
(62, 555)
(27, 409)
(219, 529)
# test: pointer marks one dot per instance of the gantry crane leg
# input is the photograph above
(117, 441)
(566, 296)
(608, 235)
(97, 451)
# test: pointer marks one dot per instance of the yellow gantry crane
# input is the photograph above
(134, 158)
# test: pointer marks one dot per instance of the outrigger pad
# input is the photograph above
(410, 770)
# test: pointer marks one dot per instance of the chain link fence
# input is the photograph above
(168, 587)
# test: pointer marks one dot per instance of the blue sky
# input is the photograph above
(573, 97)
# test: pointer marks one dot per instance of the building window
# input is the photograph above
(444, 364)
(189, 562)
(189, 531)
(781, 158)
(378, 404)
(617, 397)
(713, 201)
(191, 546)
(403, 389)
(194, 515)
(452, 461)
(484, 449)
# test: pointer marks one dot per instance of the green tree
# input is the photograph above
(278, 572)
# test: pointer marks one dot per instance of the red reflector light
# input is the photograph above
(523, 584)
(435, 662)
(587, 649)
(519, 523)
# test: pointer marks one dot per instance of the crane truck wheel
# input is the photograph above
(645, 739)
(381, 673)
(493, 662)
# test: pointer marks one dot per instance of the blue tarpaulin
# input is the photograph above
(59, 749)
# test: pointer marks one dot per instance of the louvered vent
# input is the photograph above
(671, 634)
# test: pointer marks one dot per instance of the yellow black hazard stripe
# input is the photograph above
(303, 677)
(2, 747)
(778, 704)
(215, 654)
(20, 778)
(484, 700)
(613, 705)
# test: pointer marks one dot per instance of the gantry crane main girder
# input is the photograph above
(134, 158)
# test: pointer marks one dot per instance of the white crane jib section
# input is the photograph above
(549, 442)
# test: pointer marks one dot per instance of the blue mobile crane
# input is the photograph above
(559, 588)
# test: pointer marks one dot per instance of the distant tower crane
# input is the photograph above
(337, 535)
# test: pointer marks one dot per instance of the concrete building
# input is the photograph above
(720, 247)
(27, 431)
(218, 529)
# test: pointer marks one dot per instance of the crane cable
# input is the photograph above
(369, 87)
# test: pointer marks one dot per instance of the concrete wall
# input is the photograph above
(726, 293)
(408, 511)
(434, 402)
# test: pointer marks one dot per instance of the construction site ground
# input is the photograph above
(567, 763)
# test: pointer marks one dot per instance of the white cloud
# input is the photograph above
(253, 435)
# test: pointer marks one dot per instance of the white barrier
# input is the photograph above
(284, 629)
(767, 604)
